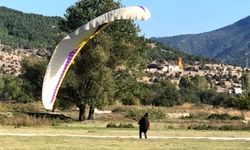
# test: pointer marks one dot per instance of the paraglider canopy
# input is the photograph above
(68, 48)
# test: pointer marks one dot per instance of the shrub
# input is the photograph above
(111, 125)
(203, 127)
(121, 125)
(223, 127)
(120, 110)
(225, 117)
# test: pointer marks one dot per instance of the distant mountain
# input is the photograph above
(25, 30)
(228, 44)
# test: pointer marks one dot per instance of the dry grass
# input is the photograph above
(185, 108)
(12, 114)
(197, 117)
(99, 128)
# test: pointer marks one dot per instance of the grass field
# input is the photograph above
(9, 142)
(19, 131)
(113, 143)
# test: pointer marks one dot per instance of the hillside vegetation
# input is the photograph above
(157, 51)
(22, 30)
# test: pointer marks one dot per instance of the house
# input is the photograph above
(236, 90)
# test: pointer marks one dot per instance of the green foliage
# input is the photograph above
(242, 102)
(227, 100)
(121, 125)
(223, 127)
(245, 80)
(166, 94)
(92, 80)
(196, 90)
(11, 89)
(130, 91)
(77, 15)
(224, 117)
(21, 30)
(33, 71)
(200, 83)
(169, 53)
(189, 95)
(185, 83)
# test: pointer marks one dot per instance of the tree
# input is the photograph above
(11, 89)
(194, 89)
(130, 91)
(92, 78)
(166, 94)
(33, 70)
(245, 80)
(200, 83)
(185, 83)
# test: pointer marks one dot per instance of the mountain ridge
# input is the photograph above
(228, 44)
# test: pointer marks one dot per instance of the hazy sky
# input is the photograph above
(169, 17)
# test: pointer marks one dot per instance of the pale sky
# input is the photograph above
(169, 17)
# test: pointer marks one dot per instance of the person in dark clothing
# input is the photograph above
(143, 125)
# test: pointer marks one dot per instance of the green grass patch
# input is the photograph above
(12, 142)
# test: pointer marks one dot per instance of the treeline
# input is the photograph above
(196, 90)
(22, 30)
(128, 91)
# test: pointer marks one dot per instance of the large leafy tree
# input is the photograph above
(200, 83)
(92, 80)
(245, 79)
(185, 83)
(166, 94)
(11, 89)
(33, 70)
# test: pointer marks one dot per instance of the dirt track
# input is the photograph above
(128, 137)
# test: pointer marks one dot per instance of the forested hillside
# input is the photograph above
(157, 51)
(32, 31)
(22, 30)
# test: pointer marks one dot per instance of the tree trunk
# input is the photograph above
(91, 113)
(81, 112)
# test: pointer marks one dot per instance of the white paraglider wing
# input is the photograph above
(68, 48)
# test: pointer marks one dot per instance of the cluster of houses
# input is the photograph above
(226, 78)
